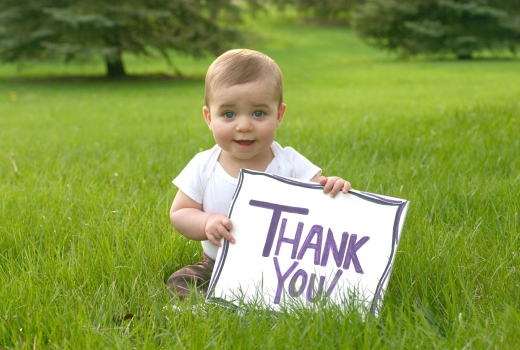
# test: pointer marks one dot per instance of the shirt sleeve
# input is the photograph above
(190, 179)
(300, 167)
(305, 169)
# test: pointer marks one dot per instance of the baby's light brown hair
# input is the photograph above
(242, 66)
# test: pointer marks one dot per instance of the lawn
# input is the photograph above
(86, 168)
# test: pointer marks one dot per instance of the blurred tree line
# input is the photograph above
(460, 27)
(69, 29)
(325, 11)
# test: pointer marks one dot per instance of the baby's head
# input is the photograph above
(242, 66)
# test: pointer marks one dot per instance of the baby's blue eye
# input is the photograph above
(258, 113)
(229, 114)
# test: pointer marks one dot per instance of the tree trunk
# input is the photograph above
(464, 55)
(115, 67)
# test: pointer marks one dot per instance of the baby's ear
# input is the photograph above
(281, 113)
(207, 116)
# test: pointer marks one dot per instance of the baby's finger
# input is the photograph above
(329, 185)
(213, 240)
(338, 185)
(323, 180)
(225, 234)
(347, 187)
(227, 223)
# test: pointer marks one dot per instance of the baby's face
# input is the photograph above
(244, 119)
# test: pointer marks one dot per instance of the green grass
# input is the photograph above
(85, 236)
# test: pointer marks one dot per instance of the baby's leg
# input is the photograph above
(191, 277)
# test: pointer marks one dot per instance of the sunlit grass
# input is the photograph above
(85, 237)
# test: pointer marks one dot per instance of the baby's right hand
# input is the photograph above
(217, 227)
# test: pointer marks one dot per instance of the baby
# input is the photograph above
(243, 109)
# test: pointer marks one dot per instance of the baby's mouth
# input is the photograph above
(245, 142)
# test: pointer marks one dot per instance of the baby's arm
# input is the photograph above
(189, 219)
(333, 184)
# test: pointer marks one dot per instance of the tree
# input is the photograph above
(68, 29)
(324, 10)
(462, 27)
(232, 9)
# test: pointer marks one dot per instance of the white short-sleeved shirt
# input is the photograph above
(206, 182)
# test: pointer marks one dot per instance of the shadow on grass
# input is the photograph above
(104, 79)
(453, 58)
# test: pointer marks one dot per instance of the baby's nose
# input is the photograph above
(244, 124)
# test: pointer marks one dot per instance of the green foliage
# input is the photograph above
(324, 10)
(461, 27)
(69, 29)
(232, 10)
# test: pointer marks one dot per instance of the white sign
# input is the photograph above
(296, 245)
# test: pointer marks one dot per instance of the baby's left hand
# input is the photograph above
(334, 185)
